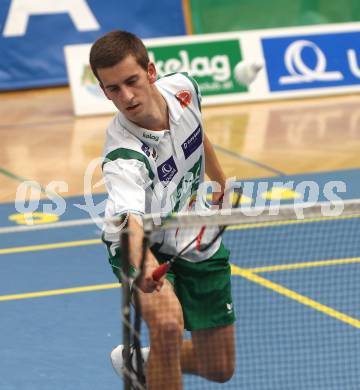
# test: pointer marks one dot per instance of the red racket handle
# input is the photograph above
(161, 270)
(199, 237)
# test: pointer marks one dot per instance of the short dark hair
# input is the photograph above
(115, 46)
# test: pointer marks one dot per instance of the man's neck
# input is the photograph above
(159, 118)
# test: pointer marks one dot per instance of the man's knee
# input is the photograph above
(165, 325)
(162, 309)
(163, 321)
(215, 350)
(170, 328)
(166, 338)
(219, 372)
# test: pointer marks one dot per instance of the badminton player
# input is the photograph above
(156, 149)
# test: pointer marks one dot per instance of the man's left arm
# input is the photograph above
(213, 168)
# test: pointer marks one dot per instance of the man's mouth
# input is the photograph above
(133, 107)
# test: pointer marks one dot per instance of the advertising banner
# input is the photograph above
(289, 63)
(312, 61)
(33, 33)
(211, 66)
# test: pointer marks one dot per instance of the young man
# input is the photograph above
(155, 148)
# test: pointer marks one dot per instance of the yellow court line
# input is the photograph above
(310, 264)
(63, 291)
(235, 271)
(271, 268)
(43, 247)
(69, 244)
(295, 296)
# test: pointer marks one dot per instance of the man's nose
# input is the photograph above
(127, 95)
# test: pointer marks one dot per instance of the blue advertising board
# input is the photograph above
(33, 33)
(312, 61)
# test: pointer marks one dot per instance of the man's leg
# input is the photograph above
(163, 314)
(215, 352)
(210, 353)
(204, 289)
(189, 364)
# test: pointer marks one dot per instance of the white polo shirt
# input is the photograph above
(158, 171)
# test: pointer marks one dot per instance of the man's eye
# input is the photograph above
(113, 89)
(132, 81)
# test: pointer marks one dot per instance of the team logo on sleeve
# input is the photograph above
(192, 143)
(154, 154)
(145, 149)
(167, 170)
(184, 97)
(149, 151)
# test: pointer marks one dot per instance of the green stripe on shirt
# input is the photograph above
(128, 154)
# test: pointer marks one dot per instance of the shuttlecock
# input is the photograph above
(245, 72)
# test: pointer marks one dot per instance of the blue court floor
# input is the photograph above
(296, 294)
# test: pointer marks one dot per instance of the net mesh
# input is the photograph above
(295, 287)
(295, 274)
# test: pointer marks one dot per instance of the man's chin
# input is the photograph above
(133, 109)
(133, 116)
(130, 113)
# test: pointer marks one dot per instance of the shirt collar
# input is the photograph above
(150, 137)
(174, 107)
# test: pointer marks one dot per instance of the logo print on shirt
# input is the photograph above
(184, 97)
(149, 151)
(145, 149)
(151, 136)
(192, 143)
(167, 170)
(154, 154)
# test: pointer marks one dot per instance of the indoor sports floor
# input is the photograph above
(296, 286)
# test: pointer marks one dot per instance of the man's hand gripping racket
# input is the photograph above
(162, 269)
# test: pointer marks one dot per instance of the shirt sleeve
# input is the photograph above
(195, 85)
(126, 183)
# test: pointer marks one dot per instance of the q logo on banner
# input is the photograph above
(299, 72)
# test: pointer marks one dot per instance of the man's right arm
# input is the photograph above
(126, 182)
(136, 235)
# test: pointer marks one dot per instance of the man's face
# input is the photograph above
(129, 87)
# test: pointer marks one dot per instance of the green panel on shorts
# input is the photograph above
(115, 261)
(203, 289)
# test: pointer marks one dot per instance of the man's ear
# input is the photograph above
(152, 76)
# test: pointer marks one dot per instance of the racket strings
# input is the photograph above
(204, 247)
(140, 381)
